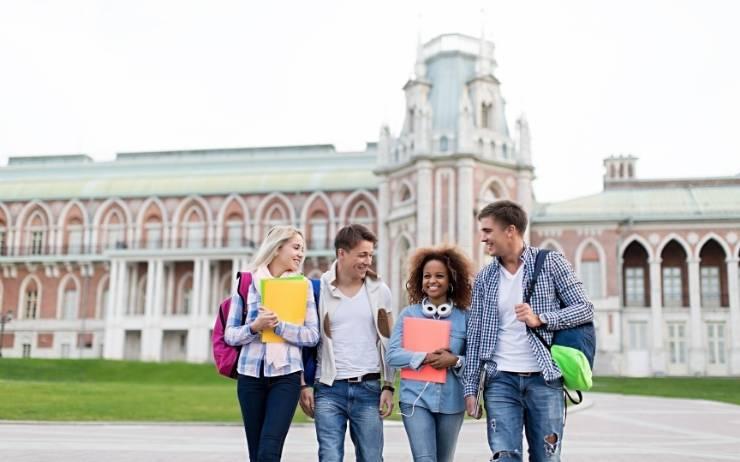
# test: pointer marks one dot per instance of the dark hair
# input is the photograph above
(506, 213)
(348, 237)
(459, 270)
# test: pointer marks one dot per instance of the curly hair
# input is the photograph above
(459, 269)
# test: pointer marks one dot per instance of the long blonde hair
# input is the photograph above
(276, 237)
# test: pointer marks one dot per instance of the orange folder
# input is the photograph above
(425, 335)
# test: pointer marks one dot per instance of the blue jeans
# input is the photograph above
(358, 403)
(268, 405)
(514, 401)
(432, 435)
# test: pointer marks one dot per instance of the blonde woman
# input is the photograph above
(269, 381)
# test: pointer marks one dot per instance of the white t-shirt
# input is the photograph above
(513, 352)
(354, 336)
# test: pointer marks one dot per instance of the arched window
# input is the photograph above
(184, 303)
(443, 144)
(3, 238)
(360, 214)
(674, 276)
(153, 233)
(234, 231)
(115, 231)
(276, 215)
(195, 229)
(74, 237)
(404, 193)
(70, 301)
(713, 272)
(318, 231)
(635, 275)
(36, 234)
(31, 301)
(491, 194)
(590, 269)
(486, 119)
(411, 120)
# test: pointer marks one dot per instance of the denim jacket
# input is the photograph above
(445, 398)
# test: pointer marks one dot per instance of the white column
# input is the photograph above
(214, 291)
(197, 287)
(424, 203)
(465, 222)
(205, 286)
(657, 356)
(132, 287)
(151, 335)
(734, 293)
(197, 343)
(383, 235)
(113, 340)
(697, 355)
(170, 296)
(159, 295)
(114, 289)
(124, 288)
(150, 288)
(218, 239)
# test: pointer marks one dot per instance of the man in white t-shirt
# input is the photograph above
(355, 323)
(523, 387)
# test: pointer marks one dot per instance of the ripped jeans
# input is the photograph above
(514, 401)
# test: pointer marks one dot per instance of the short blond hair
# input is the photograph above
(276, 237)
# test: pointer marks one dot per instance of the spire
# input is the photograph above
(420, 69)
(485, 63)
(525, 141)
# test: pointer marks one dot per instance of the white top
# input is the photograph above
(513, 352)
(354, 336)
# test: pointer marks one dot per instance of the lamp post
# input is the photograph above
(4, 318)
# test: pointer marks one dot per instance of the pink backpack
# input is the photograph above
(225, 355)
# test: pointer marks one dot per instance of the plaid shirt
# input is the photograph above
(253, 352)
(556, 282)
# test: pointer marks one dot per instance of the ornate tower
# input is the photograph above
(454, 155)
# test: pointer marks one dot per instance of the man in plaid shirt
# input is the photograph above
(523, 387)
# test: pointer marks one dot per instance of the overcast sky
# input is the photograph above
(656, 79)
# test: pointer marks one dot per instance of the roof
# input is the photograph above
(180, 173)
(671, 203)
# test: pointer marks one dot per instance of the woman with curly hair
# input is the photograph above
(439, 287)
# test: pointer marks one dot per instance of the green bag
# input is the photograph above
(574, 366)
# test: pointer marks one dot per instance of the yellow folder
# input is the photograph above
(286, 297)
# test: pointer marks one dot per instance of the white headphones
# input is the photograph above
(441, 311)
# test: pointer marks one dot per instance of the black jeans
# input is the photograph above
(268, 405)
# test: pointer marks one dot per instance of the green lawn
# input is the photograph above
(725, 389)
(37, 389)
(97, 390)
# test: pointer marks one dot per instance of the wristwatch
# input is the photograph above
(542, 319)
(458, 364)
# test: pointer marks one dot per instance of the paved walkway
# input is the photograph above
(612, 428)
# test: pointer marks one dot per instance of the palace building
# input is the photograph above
(129, 259)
